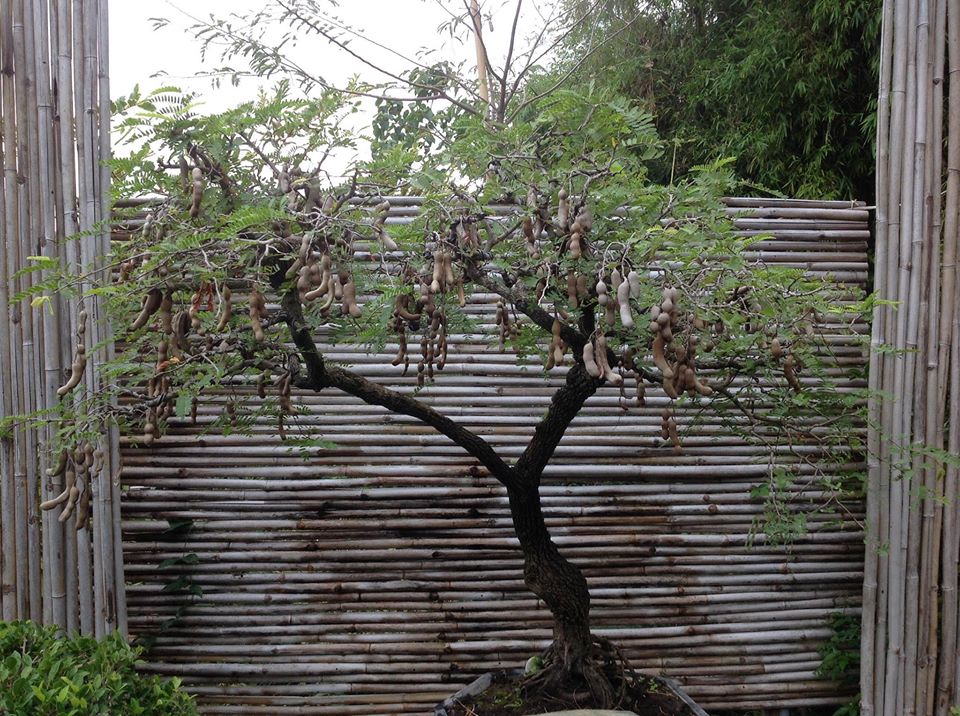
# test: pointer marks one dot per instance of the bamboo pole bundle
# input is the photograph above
(909, 647)
(55, 136)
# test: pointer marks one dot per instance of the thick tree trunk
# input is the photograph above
(550, 575)
(574, 661)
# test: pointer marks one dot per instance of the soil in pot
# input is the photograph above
(505, 697)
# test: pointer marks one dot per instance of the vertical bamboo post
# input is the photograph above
(8, 539)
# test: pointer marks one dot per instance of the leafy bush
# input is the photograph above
(42, 672)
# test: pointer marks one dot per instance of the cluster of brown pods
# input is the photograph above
(676, 362)
(78, 467)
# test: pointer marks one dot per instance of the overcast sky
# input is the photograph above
(406, 26)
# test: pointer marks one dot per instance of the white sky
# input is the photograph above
(408, 27)
(138, 51)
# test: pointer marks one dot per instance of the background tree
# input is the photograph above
(786, 87)
(255, 248)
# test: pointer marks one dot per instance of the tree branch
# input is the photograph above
(564, 407)
(530, 309)
(320, 376)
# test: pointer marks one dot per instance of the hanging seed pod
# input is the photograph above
(660, 359)
(790, 373)
(623, 299)
(76, 371)
(589, 361)
(151, 304)
(775, 349)
(257, 312)
(226, 308)
(563, 210)
(602, 297)
(349, 305)
(572, 289)
(575, 246)
(531, 239)
(166, 312)
(198, 186)
(604, 364)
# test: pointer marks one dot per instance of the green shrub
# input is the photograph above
(43, 673)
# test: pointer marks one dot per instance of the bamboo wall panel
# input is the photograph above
(910, 593)
(379, 573)
(55, 108)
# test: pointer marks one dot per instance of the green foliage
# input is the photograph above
(841, 657)
(44, 674)
(788, 87)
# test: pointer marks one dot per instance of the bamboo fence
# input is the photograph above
(54, 202)
(910, 605)
(379, 573)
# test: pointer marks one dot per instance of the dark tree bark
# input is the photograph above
(573, 660)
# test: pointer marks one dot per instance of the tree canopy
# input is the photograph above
(786, 87)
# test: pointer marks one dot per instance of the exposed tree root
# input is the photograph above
(597, 676)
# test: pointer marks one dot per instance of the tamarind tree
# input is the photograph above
(253, 246)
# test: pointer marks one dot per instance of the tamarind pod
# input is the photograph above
(789, 372)
(701, 387)
(672, 295)
(71, 503)
(602, 297)
(58, 500)
(255, 323)
(551, 362)
(600, 357)
(448, 270)
(775, 348)
(421, 374)
(83, 509)
(323, 289)
(585, 218)
(575, 247)
(151, 304)
(633, 278)
(60, 466)
(461, 296)
(670, 387)
(581, 286)
(588, 360)
(349, 306)
(261, 387)
(184, 174)
(664, 420)
(563, 210)
(674, 436)
(76, 371)
(294, 268)
(442, 362)
(623, 298)
(659, 358)
(655, 314)
(226, 308)
(126, 268)
(437, 275)
(166, 312)
(616, 278)
(532, 248)
(303, 281)
(97, 462)
(388, 243)
(382, 211)
(610, 315)
(197, 193)
(626, 358)
(654, 327)
(667, 307)
(666, 333)
(572, 289)
(641, 392)
(337, 287)
(401, 309)
(194, 404)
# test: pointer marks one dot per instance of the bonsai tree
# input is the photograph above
(254, 242)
